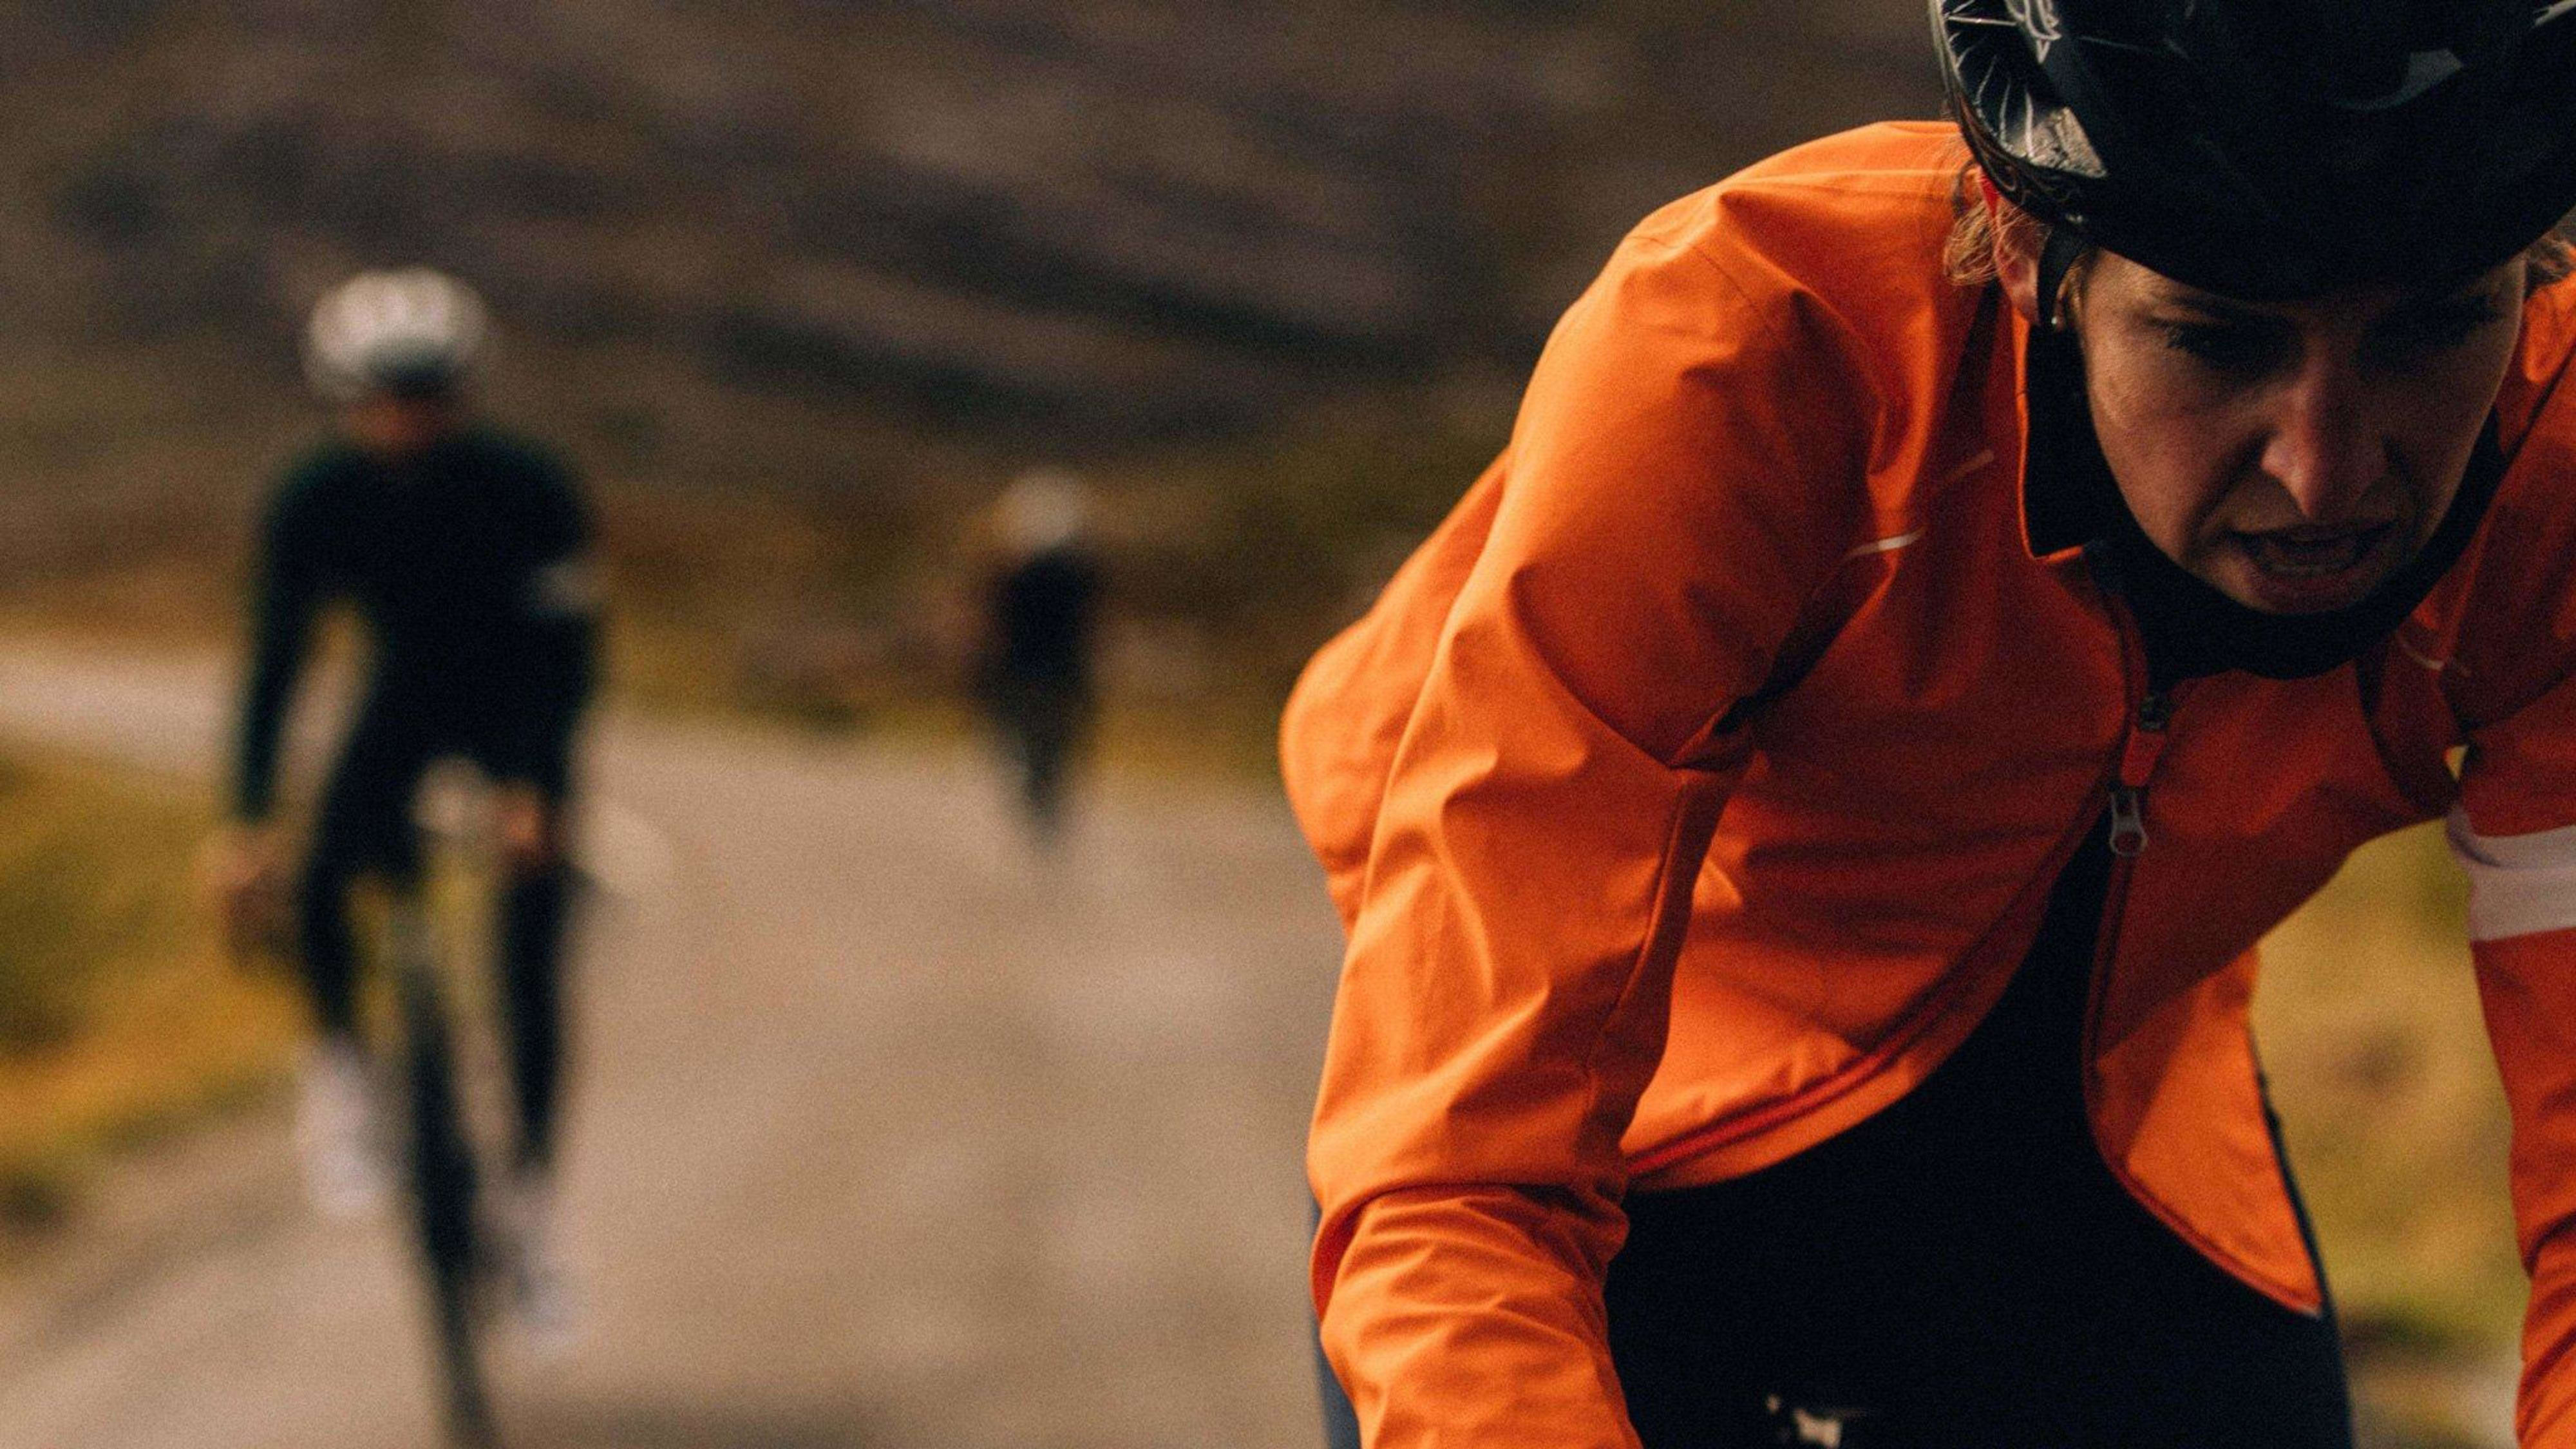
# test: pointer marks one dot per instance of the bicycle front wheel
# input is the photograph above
(444, 1183)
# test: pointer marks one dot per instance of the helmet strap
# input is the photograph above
(2057, 257)
(2058, 252)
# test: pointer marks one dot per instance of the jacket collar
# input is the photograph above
(2055, 520)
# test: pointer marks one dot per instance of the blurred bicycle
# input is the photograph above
(437, 1110)
(445, 1079)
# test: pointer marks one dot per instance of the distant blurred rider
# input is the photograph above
(468, 555)
(1042, 605)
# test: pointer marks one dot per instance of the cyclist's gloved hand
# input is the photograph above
(244, 870)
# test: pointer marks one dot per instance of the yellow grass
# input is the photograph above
(2368, 1019)
(2369, 1026)
(125, 1017)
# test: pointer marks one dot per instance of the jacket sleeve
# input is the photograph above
(2514, 829)
(558, 637)
(289, 587)
(2515, 832)
(1675, 493)
(1347, 714)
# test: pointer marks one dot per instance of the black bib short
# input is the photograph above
(1961, 1271)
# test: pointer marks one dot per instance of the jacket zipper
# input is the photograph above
(2140, 748)
(2145, 744)
(2148, 731)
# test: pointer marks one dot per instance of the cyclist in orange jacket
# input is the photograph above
(1804, 821)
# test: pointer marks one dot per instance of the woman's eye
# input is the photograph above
(2225, 346)
(2439, 329)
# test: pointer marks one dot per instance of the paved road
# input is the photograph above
(886, 1136)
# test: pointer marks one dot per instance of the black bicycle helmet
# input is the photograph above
(2274, 149)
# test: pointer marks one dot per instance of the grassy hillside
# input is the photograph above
(118, 1016)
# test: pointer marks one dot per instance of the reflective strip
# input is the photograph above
(1890, 545)
(569, 589)
(1979, 461)
(2419, 656)
(2519, 885)
(1884, 545)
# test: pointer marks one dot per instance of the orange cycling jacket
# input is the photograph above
(1696, 788)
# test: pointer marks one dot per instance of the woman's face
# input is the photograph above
(2293, 455)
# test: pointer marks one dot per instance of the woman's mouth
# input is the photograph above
(2308, 569)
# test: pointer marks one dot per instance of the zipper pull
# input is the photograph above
(2128, 821)
(2137, 762)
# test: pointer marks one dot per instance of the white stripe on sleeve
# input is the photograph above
(2519, 885)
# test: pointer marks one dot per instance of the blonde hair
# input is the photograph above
(1976, 230)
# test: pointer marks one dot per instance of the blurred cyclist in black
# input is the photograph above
(1042, 604)
(468, 556)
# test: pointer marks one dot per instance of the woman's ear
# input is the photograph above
(2017, 268)
(2017, 245)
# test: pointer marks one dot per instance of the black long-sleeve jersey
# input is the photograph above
(470, 566)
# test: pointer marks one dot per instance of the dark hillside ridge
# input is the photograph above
(1093, 219)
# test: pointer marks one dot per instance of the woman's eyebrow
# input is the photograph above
(2219, 309)
(2469, 294)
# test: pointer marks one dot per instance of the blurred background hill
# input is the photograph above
(1083, 223)
(803, 281)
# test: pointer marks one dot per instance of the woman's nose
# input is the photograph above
(2325, 449)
